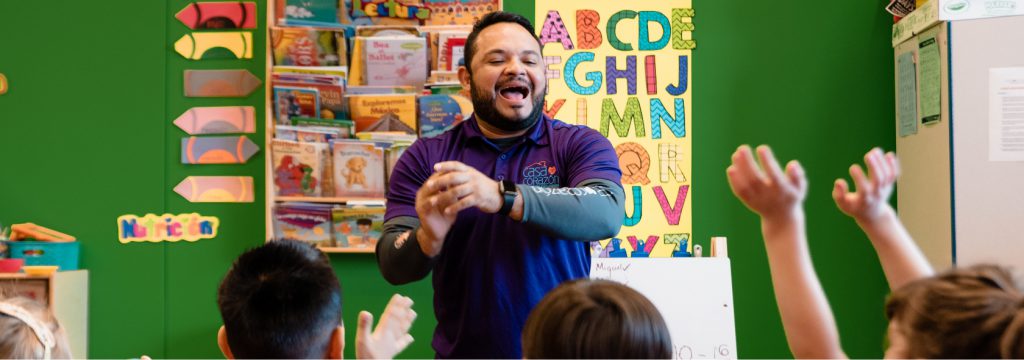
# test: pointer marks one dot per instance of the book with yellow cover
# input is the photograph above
(367, 110)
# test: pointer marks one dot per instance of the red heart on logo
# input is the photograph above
(551, 170)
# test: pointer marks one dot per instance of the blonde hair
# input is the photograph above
(972, 312)
(26, 328)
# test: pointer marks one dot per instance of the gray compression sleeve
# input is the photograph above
(591, 211)
(399, 256)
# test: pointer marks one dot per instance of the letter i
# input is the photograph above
(581, 112)
(652, 75)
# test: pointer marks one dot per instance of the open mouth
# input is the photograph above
(514, 92)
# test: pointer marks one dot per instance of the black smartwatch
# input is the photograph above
(508, 194)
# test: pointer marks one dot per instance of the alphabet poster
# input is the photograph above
(626, 73)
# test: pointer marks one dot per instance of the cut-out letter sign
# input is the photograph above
(166, 227)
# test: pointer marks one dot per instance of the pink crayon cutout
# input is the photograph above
(218, 15)
(218, 120)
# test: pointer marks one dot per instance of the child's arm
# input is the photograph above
(901, 260)
(392, 333)
(778, 198)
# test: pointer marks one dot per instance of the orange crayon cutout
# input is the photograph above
(220, 83)
(33, 231)
(227, 189)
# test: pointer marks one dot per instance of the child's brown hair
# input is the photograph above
(972, 312)
(588, 319)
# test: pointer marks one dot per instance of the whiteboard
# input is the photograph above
(694, 296)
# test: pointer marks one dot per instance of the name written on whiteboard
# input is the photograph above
(613, 272)
(685, 352)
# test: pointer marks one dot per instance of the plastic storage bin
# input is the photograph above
(62, 254)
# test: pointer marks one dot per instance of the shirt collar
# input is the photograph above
(535, 134)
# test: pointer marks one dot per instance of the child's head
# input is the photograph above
(281, 300)
(28, 330)
(973, 312)
(364, 225)
(595, 319)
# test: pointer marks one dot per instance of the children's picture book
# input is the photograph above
(358, 168)
(295, 102)
(357, 227)
(367, 110)
(309, 134)
(459, 12)
(438, 113)
(379, 90)
(331, 90)
(451, 46)
(298, 167)
(309, 12)
(307, 222)
(308, 47)
(387, 30)
(396, 61)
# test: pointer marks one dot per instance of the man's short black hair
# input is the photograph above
(280, 300)
(364, 221)
(496, 17)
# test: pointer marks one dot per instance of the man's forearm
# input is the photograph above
(399, 255)
(591, 211)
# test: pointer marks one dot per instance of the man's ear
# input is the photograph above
(464, 78)
(337, 344)
(222, 342)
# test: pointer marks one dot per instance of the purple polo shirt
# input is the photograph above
(493, 270)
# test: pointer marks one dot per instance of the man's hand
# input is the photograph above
(466, 188)
(434, 223)
(769, 193)
(871, 200)
(392, 333)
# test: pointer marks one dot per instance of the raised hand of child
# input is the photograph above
(767, 190)
(392, 333)
(871, 198)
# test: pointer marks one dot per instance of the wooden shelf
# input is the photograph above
(19, 276)
(329, 200)
(342, 250)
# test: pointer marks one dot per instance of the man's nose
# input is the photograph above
(515, 67)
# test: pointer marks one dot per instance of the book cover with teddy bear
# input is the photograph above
(358, 168)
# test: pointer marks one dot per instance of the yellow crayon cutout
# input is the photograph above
(194, 45)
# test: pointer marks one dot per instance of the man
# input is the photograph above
(501, 207)
(282, 300)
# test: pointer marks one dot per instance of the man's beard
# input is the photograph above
(484, 108)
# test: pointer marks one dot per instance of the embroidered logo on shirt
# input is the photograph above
(401, 239)
(540, 174)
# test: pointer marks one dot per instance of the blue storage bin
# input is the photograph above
(62, 254)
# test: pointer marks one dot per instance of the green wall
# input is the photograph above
(86, 136)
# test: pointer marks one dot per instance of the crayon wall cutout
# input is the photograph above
(217, 150)
(197, 45)
(218, 189)
(220, 83)
(218, 120)
(218, 15)
(3, 84)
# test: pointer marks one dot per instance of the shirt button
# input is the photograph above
(503, 156)
(501, 178)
